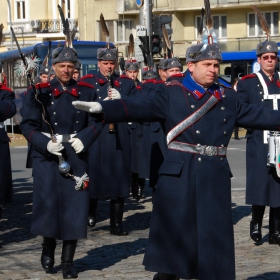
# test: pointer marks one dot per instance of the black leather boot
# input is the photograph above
(116, 216)
(67, 256)
(165, 276)
(47, 257)
(256, 223)
(274, 226)
(133, 184)
(92, 212)
(140, 187)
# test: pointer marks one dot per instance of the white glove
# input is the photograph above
(92, 107)
(77, 144)
(54, 148)
(114, 94)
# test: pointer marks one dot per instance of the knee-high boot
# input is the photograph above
(67, 257)
(92, 212)
(116, 216)
(165, 276)
(256, 223)
(274, 226)
(47, 257)
(140, 187)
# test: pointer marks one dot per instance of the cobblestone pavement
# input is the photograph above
(103, 256)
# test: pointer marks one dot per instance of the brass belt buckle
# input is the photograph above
(210, 151)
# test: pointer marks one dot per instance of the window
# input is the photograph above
(122, 30)
(20, 9)
(119, 31)
(219, 25)
(110, 27)
(254, 27)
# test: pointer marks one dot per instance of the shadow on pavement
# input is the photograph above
(266, 276)
(97, 259)
(239, 212)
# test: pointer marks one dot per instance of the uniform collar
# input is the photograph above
(58, 89)
(275, 78)
(198, 91)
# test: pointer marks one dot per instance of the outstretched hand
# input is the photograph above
(92, 107)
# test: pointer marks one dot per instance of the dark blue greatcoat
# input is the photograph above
(262, 182)
(191, 233)
(110, 154)
(141, 139)
(7, 110)
(137, 156)
(59, 211)
(29, 148)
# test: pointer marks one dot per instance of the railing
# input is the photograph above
(236, 2)
(43, 25)
(54, 26)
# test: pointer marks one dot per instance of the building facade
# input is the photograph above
(35, 21)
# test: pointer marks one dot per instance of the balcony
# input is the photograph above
(43, 26)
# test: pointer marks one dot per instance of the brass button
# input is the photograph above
(192, 106)
(223, 108)
(54, 113)
(197, 132)
(225, 120)
(77, 121)
(199, 159)
(78, 112)
(55, 123)
(225, 133)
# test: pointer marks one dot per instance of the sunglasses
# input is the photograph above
(271, 57)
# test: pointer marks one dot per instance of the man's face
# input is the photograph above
(162, 74)
(268, 62)
(132, 74)
(64, 71)
(76, 74)
(204, 72)
(171, 71)
(44, 78)
(106, 66)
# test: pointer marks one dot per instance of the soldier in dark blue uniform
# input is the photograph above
(110, 155)
(262, 182)
(154, 141)
(60, 203)
(7, 111)
(171, 70)
(51, 75)
(160, 70)
(76, 75)
(138, 177)
(193, 197)
(44, 73)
